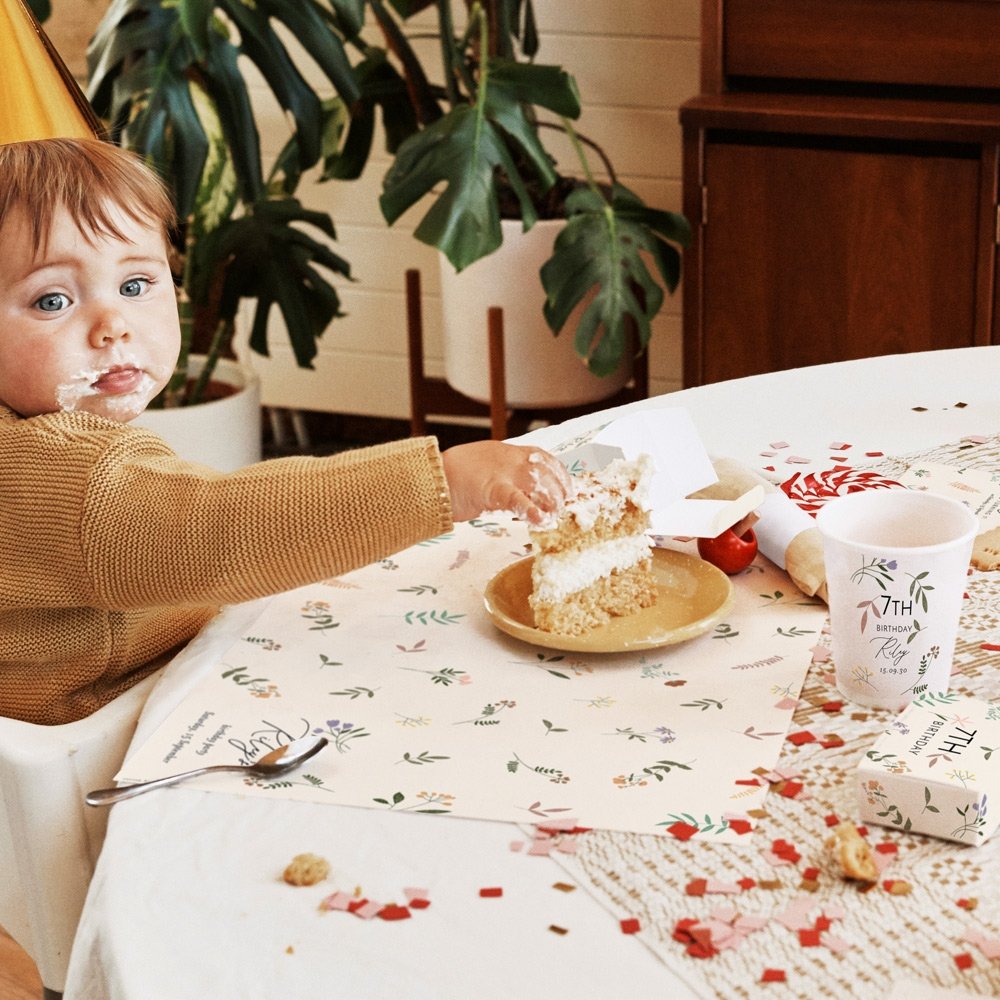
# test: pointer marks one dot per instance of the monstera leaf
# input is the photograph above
(600, 253)
(269, 259)
(468, 150)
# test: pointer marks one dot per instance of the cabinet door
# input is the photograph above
(822, 250)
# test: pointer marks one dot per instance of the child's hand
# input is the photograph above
(491, 475)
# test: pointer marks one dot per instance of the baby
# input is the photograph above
(113, 551)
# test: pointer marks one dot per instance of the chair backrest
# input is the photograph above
(49, 839)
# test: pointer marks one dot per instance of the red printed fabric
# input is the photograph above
(813, 490)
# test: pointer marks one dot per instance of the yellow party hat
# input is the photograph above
(39, 99)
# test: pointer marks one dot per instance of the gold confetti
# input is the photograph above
(563, 886)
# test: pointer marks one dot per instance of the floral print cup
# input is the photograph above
(896, 566)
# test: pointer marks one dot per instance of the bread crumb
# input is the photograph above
(852, 853)
(306, 869)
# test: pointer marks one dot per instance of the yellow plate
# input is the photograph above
(692, 595)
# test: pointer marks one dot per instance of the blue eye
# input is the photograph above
(52, 302)
(134, 287)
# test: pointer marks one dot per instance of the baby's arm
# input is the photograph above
(491, 475)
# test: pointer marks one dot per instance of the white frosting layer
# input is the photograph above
(556, 575)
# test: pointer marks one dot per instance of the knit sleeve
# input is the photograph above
(162, 531)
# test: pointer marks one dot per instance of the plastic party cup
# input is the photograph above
(896, 567)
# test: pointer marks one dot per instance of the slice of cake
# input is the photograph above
(594, 561)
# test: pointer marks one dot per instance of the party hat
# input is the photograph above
(39, 99)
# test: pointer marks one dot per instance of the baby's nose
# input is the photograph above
(108, 328)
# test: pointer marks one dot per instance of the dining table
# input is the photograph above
(188, 899)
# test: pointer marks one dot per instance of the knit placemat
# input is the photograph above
(873, 937)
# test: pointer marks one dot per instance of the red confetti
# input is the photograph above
(773, 976)
(823, 923)
(832, 706)
(696, 887)
(394, 912)
(740, 826)
(832, 820)
(808, 937)
(811, 874)
(749, 883)
(831, 741)
(491, 892)
(991, 647)
(791, 789)
(863, 830)
(887, 848)
(874, 454)
(682, 831)
(963, 960)
(419, 904)
(355, 905)
(630, 925)
(804, 736)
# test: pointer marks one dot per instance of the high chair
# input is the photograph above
(49, 839)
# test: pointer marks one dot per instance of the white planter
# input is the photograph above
(541, 370)
(222, 433)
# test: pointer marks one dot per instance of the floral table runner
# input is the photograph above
(430, 708)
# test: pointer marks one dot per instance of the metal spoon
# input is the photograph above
(278, 761)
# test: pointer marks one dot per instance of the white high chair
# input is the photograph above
(49, 839)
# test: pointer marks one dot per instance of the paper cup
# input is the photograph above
(896, 567)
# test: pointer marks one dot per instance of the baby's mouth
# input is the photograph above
(118, 380)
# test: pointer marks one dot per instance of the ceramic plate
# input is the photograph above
(692, 597)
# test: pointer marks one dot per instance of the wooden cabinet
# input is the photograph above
(842, 206)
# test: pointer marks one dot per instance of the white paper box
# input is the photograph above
(936, 770)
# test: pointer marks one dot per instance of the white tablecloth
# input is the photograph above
(187, 899)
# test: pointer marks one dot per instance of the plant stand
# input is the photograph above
(434, 396)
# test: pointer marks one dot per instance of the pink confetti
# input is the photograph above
(834, 943)
(567, 845)
(516, 845)
(414, 893)
(787, 704)
(367, 910)
(540, 848)
(820, 654)
(768, 454)
(797, 460)
(795, 916)
(976, 438)
(714, 885)
(337, 901)
(778, 445)
(838, 446)
(989, 946)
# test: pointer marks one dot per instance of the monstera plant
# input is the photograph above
(165, 75)
(478, 151)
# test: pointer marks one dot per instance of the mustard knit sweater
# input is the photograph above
(113, 551)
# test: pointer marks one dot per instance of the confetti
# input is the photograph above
(629, 925)
(989, 946)
(563, 886)
(797, 460)
(963, 960)
(832, 819)
(839, 446)
(420, 904)
(696, 887)
(809, 938)
(968, 904)
(682, 831)
(740, 826)
(393, 912)
(778, 445)
(556, 929)
(801, 737)
(491, 892)
(832, 707)
(336, 901)
(773, 976)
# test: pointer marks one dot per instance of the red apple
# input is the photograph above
(729, 551)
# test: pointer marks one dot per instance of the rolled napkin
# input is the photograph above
(786, 534)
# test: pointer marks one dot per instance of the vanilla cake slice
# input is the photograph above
(594, 561)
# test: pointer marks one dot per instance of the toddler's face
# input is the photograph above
(85, 326)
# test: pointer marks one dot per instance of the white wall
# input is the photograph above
(635, 62)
